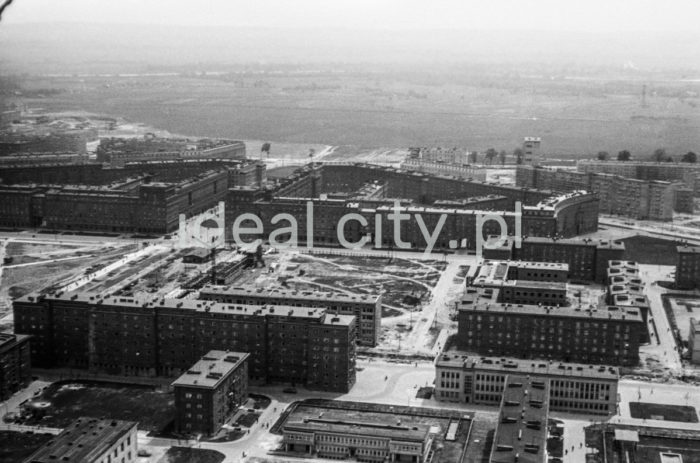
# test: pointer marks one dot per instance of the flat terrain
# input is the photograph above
(38, 265)
(680, 413)
(384, 110)
(191, 455)
(153, 410)
(650, 250)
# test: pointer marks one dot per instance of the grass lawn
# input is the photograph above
(153, 410)
(680, 413)
(16, 446)
(190, 455)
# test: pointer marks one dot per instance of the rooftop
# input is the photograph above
(9, 340)
(83, 441)
(252, 310)
(687, 249)
(288, 294)
(462, 360)
(602, 313)
(211, 369)
(521, 433)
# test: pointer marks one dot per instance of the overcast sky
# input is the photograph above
(547, 15)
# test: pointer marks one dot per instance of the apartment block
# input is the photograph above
(367, 309)
(210, 392)
(587, 259)
(606, 335)
(15, 364)
(688, 267)
(163, 337)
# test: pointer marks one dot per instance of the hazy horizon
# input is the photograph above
(44, 36)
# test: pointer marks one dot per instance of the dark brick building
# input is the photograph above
(367, 309)
(210, 391)
(608, 335)
(428, 196)
(164, 337)
(587, 258)
(143, 197)
(15, 364)
(688, 267)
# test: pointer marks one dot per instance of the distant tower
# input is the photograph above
(644, 96)
(531, 150)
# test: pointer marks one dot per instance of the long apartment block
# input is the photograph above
(163, 337)
(606, 335)
(367, 309)
(574, 387)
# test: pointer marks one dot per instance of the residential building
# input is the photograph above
(464, 171)
(131, 336)
(210, 391)
(587, 259)
(532, 153)
(688, 267)
(15, 364)
(603, 335)
(367, 309)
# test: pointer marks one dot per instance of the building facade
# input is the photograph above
(164, 337)
(688, 267)
(15, 364)
(367, 309)
(587, 259)
(210, 391)
(574, 388)
(606, 335)
(642, 199)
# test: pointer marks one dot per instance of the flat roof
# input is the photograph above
(687, 249)
(212, 369)
(415, 432)
(627, 435)
(609, 312)
(522, 424)
(9, 340)
(465, 361)
(290, 294)
(84, 440)
(90, 298)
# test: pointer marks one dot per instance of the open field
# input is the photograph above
(404, 283)
(645, 410)
(153, 410)
(649, 250)
(37, 266)
(396, 110)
